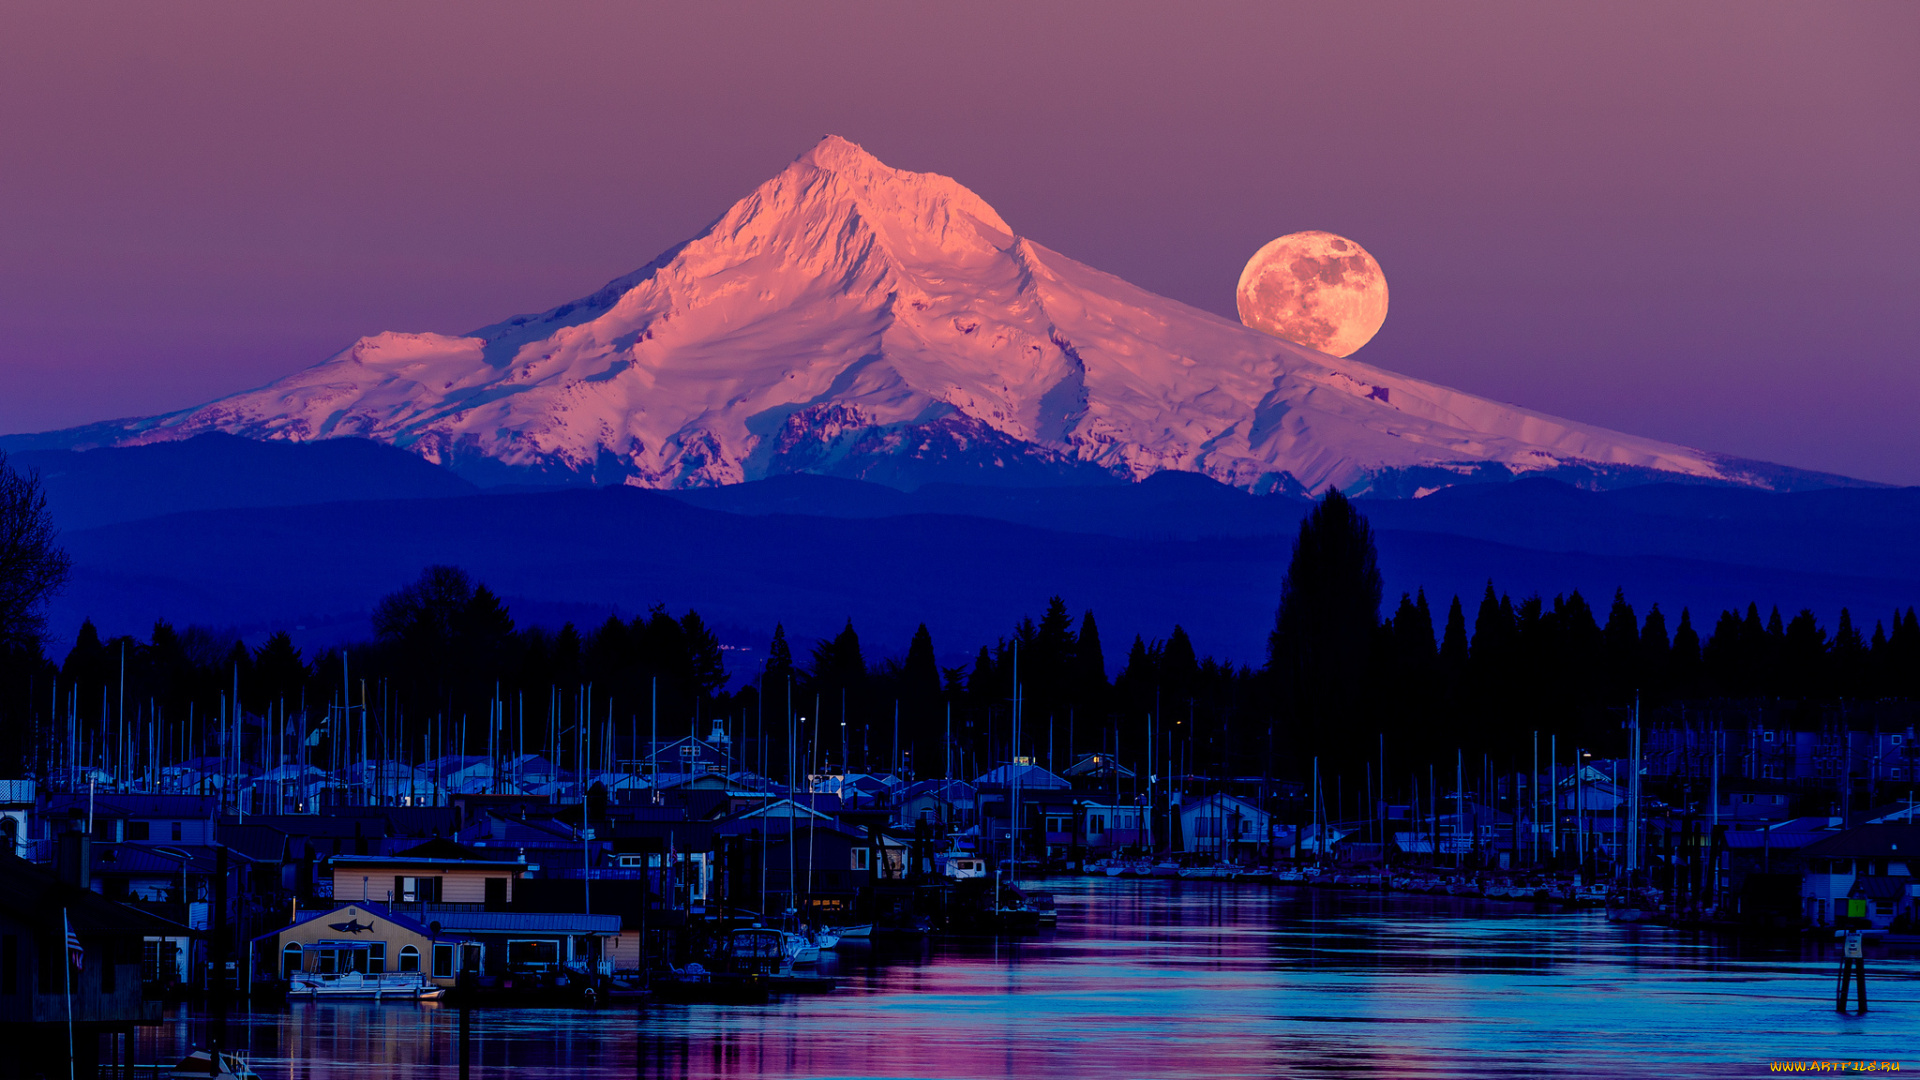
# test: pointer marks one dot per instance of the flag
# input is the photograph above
(76, 955)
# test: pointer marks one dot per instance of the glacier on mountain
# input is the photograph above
(852, 319)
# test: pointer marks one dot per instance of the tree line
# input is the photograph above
(1342, 680)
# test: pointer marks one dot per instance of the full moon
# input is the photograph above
(1314, 289)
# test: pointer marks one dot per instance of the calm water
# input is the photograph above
(1184, 979)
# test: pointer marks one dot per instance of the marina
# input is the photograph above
(1176, 978)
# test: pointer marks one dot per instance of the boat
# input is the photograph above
(398, 986)
(853, 933)
(750, 966)
(1116, 868)
(1164, 869)
(800, 949)
(1042, 905)
(1198, 872)
(825, 940)
(964, 867)
(1594, 895)
(221, 1066)
(1632, 906)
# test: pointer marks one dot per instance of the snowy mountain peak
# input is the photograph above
(854, 319)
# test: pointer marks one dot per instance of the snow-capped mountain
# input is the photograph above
(854, 319)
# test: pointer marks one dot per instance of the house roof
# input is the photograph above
(261, 843)
(1868, 842)
(949, 790)
(372, 907)
(1221, 797)
(134, 805)
(36, 897)
(401, 862)
(441, 847)
(144, 859)
(526, 922)
(1882, 886)
(1028, 776)
(1097, 765)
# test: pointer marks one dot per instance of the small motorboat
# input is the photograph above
(825, 940)
(398, 986)
(220, 1066)
(801, 950)
(853, 933)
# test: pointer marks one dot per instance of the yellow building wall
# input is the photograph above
(458, 886)
(310, 933)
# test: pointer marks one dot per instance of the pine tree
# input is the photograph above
(1684, 662)
(1453, 644)
(1803, 657)
(922, 717)
(779, 665)
(1622, 646)
(1323, 633)
(1655, 656)
(1089, 670)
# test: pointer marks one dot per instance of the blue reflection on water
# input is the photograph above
(1165, 978)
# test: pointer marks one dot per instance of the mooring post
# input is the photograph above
(1853, 964)
(467, 1017)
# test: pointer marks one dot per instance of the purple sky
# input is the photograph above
(1696, 222)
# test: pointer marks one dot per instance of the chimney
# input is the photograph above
(74, 860)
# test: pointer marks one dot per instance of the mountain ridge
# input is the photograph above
(851, 319)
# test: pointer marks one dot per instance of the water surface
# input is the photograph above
(1163, 978)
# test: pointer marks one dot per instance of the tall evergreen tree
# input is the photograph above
(922, 712)
(1089, 670)
(1655, 656)
(1622, 645)
(1323, 632)
(1684, 658)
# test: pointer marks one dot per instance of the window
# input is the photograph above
(1766, 736)
(52, 955)
(1055, 824)
(176, 832)
(1747, 799)
(417, 890)
(377, 958)
(290, 958)
(631, 861)
(496, 893)
(137, 830)
(409, 959)
(533, 954)
(860, 855)
(1896, 739)
(442, 961)
(1097, 824)
(327, 962)
(1894, 773)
